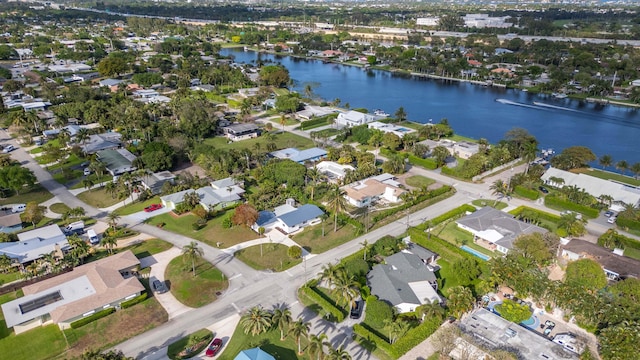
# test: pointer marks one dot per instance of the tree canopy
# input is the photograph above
(585, 273)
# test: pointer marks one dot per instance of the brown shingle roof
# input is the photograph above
(622, 265)
(373, 188)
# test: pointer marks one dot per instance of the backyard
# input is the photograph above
(419, 181)
(212, 234)
(36, 193)
(312, 240)
(269, 342)
(267, 257)
(282, 140)
(99, 198)
(198, 290)
(458, 237)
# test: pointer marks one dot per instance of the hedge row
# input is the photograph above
(425, 163)
(628, 223)
(429, 195)
(455, 213)
(84, 321)
(626, 242)
(554, 202)
(441, 247)
(314, 296)
(540, 214)
(387, 152)
(416, 335)
(138, 299)
(527, 193)
(310, 124)
(380, 343)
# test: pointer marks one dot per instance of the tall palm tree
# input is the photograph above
(460, 300)
(256, 321)
(432, 310)
(395, 329)
(529, 152)
(300, 329)
(109, 242)
(113, 218)
(317, 343)
(573, 225)
(635, 169)
(338, 354)
(605, 161)
(82, 136)
(192, 252)
(345, 287)
(365, 247)
(622, 165)
(281, 318)
(337, 203)
(330, 273)
(499, 189)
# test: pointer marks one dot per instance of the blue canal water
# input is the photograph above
(472, 110)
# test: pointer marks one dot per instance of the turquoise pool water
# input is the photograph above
(474, 252)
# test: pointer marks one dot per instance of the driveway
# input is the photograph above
(158, 264)
(141, 216)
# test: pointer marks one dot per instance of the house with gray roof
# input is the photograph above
(88, 289)
(117, 161)
(239, 132)
(99, 142)
(300, 156)
(110, 82)
(211, 198)
(405, 280)
(154, 181)
(615, 265)
(288, 218)
(31, 245)
(496, 230)
(10, 222)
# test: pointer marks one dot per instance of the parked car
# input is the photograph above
(8, 148)
(74, 228)
(356, 309)
(612, 220)
(18, 208)
(86, 171)
(93, 237)
(543, 189)
(159, 286)
(153, 207)
(608, 213)
(214, 347)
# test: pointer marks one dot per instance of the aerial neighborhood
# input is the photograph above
(176, 183)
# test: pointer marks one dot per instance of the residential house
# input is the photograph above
(355, 118)
(109, 82)
(254, 354)
(10, 222)
(496, 230)
(33, 244)
(495, 332)
(615, 265)
(300, 156)
(621, 193)
(401, 131)
(311, 111)
(117, 161)
(332, 170)
(238, 132)
(220, 195)
(465, 149)
(88, 289)
(104, 141)
(366, 192)
(405, 280)
(288, 218)
(154, 181)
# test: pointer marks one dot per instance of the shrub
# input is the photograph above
(200, 212)
(380, 343)
(453, 214)
(425, 163)
(377, 312)
(441, 247)
(313, 295)
(227, 223)
(310, 124)
(526, 193)
(136, 300)
(294, 252)
(557, 203)
(415, 336)
(356, 266)
(182, 208)
(198, 224)
(627, 223)
(84, 321)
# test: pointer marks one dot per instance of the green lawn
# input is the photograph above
(267, 257)
(98, 197)
(9, 277)
(609, 176)
(93, 177)
(36, 193)
(269, 342)
(115, 328)
(137, 206)
(282, 140)
(484, 202)
(458, 237)
(59, 208)
(311, 237)
(632, 253)
(194, 291)
(4, 332)
(148, 247)
(39, 343)
(419, 181)
(203, 336)
(210, 234)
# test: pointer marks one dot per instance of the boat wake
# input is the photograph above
(555, 107)
(515, 103)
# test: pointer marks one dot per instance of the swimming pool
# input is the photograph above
(401, 129)
(475, 252)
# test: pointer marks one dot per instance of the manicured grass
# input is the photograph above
(281, 91)
(63, 178)
(211, 234)
(268, 342)
(9, 277)
(117, 327)
(59, 208)
(632, 253)
(37, 150)
(39, 343)
(4, 332)
(98, 197)
(282, 140)
(419, 181)
(93, 177)
(194, 291)
(453, 234)
(148, 247)
(311, 237)
(272, 257)
(484, 202)
(137, 206)
(601, 174)
(325, 132)
(203, 336)
(36, 193)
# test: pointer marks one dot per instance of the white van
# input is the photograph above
(93, 237)
(18, 208)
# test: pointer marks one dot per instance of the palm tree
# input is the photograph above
(635, 169)
(256, 321)
(345, 287)
(338, 354)
(337, 203)
(192, 252)
(79, 248)
(281, 318)
(529, 152)
(111, 188)
(460, 300)
(317, 343)
(113, 218)
(395, 329)
(400, 114)
(605, 161)
(87, 183)
(432, 310)
(571, 223)
(109, 242)
(499, 189)
(365, 247)
(82, 136)
(283, 121)
(300, 329)
(622, 165)
(330, 273)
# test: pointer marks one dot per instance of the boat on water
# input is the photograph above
(559, 95)
(525, 90)
(380, 112)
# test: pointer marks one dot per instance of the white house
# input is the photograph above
(288, 218)
(401, 131)
(32, 245)
(368, 191)
(333, 170)
(355, 118)
(221, 194)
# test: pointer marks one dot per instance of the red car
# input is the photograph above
(153, 207)
(214, 347)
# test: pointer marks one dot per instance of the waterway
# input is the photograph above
(472, 110)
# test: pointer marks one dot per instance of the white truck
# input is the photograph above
(74, 228)
(93, 237)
